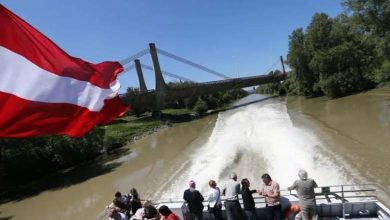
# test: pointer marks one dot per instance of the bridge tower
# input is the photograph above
(161, 86)
(138, 68)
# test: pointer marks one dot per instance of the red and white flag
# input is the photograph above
(43, 90)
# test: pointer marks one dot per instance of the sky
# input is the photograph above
(236, 38)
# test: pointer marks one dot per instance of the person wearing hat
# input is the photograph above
(194, 200)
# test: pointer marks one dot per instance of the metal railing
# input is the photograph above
(333, 193)
(337, 193)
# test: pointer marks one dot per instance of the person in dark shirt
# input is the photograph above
(194, 200)
(135, 200)
(249, 202)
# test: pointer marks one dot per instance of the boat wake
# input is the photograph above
(253, 140)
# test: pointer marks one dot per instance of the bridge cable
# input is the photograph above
(180, 59)
(272, 66)
(168, 74)
(134, 56)
(132, 66)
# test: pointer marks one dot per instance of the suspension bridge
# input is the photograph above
(155, 100)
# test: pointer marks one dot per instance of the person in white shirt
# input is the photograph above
(214, 199)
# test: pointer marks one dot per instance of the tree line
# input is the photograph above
(198, 104)
(342, 55)
(203, 103)
(24, 159)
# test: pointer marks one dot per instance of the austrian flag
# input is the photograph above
(43, 90)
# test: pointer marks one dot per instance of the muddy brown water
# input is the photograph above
(350, 134)
(355, 129)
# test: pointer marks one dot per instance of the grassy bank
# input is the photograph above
(127, 129)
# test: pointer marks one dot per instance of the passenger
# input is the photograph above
(214, 199)
(135, 200)
(249, 202)
(151, 211)
(305, 189)
(139, 214)
(270, 190)
(124, 200)
(167, 213)
(115, 214)
(116, 203)
(231, 190)
(194, 200)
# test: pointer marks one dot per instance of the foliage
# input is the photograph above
(382, 74)
(340, 56)
(24, 159)
(271, 88)
(372, 15)
(200, 107)
(130, 91)
(213, 101)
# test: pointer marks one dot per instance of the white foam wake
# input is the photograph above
(258, 139)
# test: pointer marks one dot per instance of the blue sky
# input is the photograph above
(237, 38)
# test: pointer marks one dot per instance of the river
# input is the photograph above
(337, 141)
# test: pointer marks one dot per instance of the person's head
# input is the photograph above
(133, 192)
(192, 184)
(302, 174)
(118, 194)
(113, 212)
(150, 210)
(233, 176)
(164, 210)
(118, 203)
(245, 183)
(266, 178)
(147, 203)
(212, 184)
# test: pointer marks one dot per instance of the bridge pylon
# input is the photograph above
(141, 80)
(161, 86)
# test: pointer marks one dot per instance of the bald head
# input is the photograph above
(302, 174)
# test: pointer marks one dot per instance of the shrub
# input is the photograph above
(200, 107)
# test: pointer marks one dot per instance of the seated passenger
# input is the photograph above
(115, 214)
(116, 203)
(123, 199)
(138, 215)
(167, 213)
(150, 211)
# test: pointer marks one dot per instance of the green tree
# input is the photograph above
(30, 158)
(298, 58)
(200, 107)
(374, 15)
(271, 88)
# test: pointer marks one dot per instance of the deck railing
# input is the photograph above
(332, 193)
